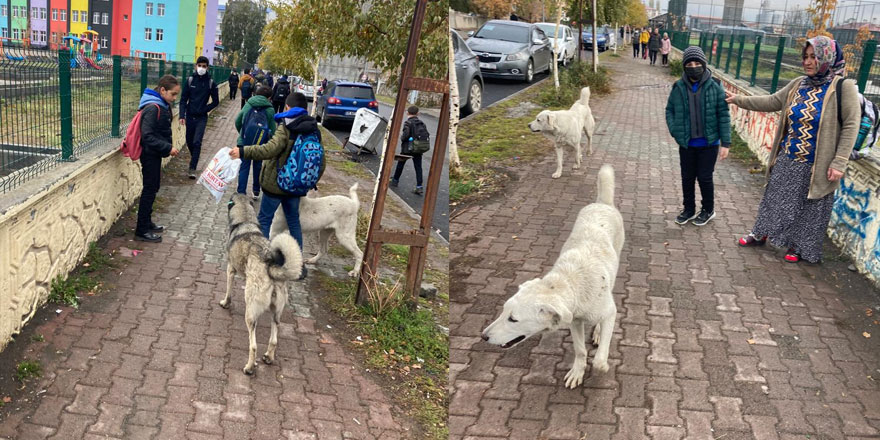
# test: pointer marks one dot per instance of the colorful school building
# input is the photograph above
(173, 30)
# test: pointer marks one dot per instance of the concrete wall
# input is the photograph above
(47, 224)
(855, 218)
(464, 22)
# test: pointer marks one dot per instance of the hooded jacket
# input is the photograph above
(248, 77)
(256, 101)
(233, 80)
(156, 140)
(296, 121)
(194, 96)
(644, 37)
(281, 81)
(654, 42)
(714, 117)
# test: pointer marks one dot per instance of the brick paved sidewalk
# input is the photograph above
(712, 341)
(157, 358)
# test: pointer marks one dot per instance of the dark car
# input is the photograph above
(342, 99)
(467, 72)
(511, 49)
(602, 42)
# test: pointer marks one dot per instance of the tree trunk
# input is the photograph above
(580, 29)
(315, 87)
(455, 105)
(557, 39)
(595, 42)
(616, 27)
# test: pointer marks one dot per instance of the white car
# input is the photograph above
(567, 49)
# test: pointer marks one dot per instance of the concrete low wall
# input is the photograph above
(855, 218)
(464, 22)
(46, 224)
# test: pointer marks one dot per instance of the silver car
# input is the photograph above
(511, 49)
(467, 72)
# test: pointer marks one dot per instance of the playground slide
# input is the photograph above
(92, 63)
(14, 58)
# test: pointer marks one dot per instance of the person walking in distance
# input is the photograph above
(412, 141)
(247, 85)
(635, 42)
(280, 93)
(654, 45)
(665, 48)
(194, 109)
(156, 143)
(233, 84)
(644, 38)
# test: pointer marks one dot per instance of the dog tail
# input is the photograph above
(353, 193)
(284, 257)
(585, 96)
(606, 185)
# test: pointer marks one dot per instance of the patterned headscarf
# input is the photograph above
(830, 60)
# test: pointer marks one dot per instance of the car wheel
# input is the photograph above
(474, 98)
(564, 59)
(530, 72)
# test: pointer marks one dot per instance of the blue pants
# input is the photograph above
(290, 205)
(245, 171)
(195, 131)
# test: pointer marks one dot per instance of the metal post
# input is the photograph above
(161, 68)
(867, 60)
(117, 96)
(755, 61)
(66, 105)
(144, 67)
(739, 55)
(729, 55)
(580, 31)
(174, 69)
(718, 50)
(780, 50)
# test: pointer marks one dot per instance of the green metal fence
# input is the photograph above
(55, 106)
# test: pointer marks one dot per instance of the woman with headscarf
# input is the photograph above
(809, 154)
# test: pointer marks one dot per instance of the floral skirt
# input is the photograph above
(787, 216)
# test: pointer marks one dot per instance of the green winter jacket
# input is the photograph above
(716, 115)
(277, 150)
(256, 101)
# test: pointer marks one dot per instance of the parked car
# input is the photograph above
(566, 50)
(467, 72)
(342, 99)
(511, 49)
(305, 87)
(603, 42)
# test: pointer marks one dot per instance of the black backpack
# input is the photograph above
(246, 89)
(281, 92)
(421, 139)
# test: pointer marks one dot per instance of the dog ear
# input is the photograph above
(551, 119)
(559, 313)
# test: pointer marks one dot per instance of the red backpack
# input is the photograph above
(131, 144)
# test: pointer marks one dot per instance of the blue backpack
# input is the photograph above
(255, 129)
(302, 170)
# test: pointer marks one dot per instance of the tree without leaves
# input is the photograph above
(241, 29)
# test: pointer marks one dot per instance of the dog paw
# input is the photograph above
(353, 273)
(574, 378)
(557, 175)
(226, 304)
(248, 371)
(267, 360)
(600, 366)
(577, 166)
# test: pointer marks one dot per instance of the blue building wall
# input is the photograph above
(4, 19)
(167, 23)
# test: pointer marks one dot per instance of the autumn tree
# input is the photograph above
(820, 12)
(241, 29)
(493, 8)
(850, 50)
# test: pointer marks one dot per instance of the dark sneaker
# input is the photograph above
(256, 196)
(148, 237)
(158, 229)
(685, 216)
(418, 190)
(304, 273)
(704, 217)
(393, 183)
(192, 174)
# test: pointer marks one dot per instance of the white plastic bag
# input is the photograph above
(219, 173)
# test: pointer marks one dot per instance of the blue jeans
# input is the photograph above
(290, 205)
(245, 171)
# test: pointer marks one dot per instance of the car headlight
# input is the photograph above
(516, 56)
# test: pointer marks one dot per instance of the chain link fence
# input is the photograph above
(57, 105)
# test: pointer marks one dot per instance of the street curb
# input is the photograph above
(504, 100)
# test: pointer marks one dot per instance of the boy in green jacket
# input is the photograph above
(698, 118)
(260, 100)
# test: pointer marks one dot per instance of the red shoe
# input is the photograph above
(750, 240)
(792, 257)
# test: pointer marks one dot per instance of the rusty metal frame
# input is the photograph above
(416, 239)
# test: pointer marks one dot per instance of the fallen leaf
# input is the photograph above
(866, 335)
(869, 312)
(751, 341)
(416, 366)
(7, 399)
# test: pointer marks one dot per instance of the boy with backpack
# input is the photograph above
(699, 120)
(296, 146)
(256, 125)
(246, 85)
(194, 109)
(233, 84)
(156, 143)
(280, 93)
(414, 141)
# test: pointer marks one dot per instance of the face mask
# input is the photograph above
(694, 73)
(201, 70)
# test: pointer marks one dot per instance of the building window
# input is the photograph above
(148, 34)
(63, 14)
(84, 16)
(161, 9)
(125, 18)
(54, 14)
(43, 13)
(4, 10)
(149, 8)
(16, 34)
(74, 16)
(14, 11)
(104, 42)
(105, 18)
(5, 32)
(96, 18)
(43, 36)
(35, 13)
(160, 35)
(54, 37)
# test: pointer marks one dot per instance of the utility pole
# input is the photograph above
(595, 42)
(580, 30)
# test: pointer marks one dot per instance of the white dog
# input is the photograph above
(576, 291)
(564, 127)
(327, 215)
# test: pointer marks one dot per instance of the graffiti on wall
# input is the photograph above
(855, 225)
(756, 128)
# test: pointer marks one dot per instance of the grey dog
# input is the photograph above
(267, 266)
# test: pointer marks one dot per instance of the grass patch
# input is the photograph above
(403, 343)
(676, 68)
(27, 370)
(571, 80)
(385, 99)
(36, 337)
(84, 279)
(739, 150)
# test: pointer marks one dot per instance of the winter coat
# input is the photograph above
(194, 96)
(277, 150)
(836, 140)
(635, 38)
(256, 101)
(644, 37)
(156, 140)
(716, 115)
(233, 80)
(654, 42)
(665, 46)
(248, 77)
(282, 80)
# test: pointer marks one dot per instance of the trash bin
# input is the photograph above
(367, 131)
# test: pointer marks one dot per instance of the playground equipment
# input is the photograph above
(6, 54)
(81, 49)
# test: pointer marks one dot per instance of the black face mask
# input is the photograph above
(694, 73)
